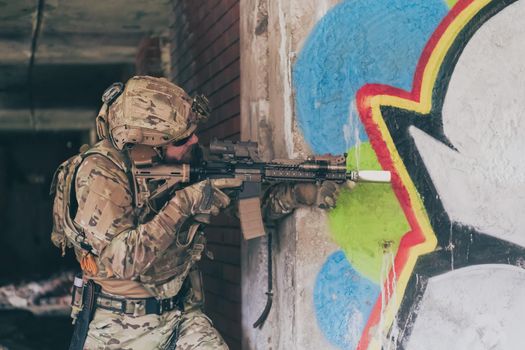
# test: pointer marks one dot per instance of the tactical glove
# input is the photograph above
(323, 196)
(205, 198)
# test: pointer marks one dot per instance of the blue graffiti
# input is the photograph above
(357, 42)
(343, 301)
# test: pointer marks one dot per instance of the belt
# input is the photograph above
(138, 306)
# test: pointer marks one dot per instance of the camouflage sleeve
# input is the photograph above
(106, 215)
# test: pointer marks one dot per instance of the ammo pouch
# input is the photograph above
(166, 278)
(197, 295)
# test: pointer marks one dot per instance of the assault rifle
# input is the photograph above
(241, 160)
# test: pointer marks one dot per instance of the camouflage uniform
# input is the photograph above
(157, 256)
(110, 330)
(149, 251)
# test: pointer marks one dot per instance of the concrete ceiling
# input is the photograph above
(57, 56)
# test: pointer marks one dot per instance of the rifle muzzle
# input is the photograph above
(381, 176)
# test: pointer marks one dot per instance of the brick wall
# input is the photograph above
(148, 60)
(205, 59)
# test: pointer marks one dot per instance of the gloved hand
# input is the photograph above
(205, 198)
(323, 196)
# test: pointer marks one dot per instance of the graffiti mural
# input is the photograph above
(435, 96)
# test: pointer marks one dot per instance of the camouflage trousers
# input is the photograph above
(112, 330)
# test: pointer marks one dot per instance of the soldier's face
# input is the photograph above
(182, 152)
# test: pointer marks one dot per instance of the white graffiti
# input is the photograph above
(483, 184)
(478, 307)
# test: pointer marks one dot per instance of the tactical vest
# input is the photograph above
(65, 232)
(164, 278)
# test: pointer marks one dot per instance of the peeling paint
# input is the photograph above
(284, 55)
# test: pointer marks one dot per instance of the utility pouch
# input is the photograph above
(195, 277)
(84, 316)
(76, 297)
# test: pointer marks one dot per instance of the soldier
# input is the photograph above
(141, 286)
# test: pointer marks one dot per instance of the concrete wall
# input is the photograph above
(271, 35)
(431, 90)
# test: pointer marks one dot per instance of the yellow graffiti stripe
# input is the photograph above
(423, 106)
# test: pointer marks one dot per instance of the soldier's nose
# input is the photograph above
(193, 140)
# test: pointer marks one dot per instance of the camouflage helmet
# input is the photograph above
(149, 111)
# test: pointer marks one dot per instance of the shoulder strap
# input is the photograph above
(105, 149)
(119, 158)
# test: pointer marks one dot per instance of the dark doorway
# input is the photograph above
(27, 164)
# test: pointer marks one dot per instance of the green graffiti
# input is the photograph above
(451, 3)
(368, 222)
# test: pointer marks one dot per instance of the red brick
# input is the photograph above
(228, 91)
(224, 221)
(210, 64)
(205, 56)
(221, 78)
(225, 253)
(229, 291)
(223, 235)
(217, 304)
(208, 46)
(209, 34)
(221, 131)
(212, 67)
(224, 111)
(231, 274)
(226, 327)
(209, 267)
(221, 271)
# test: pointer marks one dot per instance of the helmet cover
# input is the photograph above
(151, 111)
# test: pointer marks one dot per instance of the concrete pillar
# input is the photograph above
(271, 34)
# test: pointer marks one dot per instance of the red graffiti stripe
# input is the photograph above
(364, 96)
